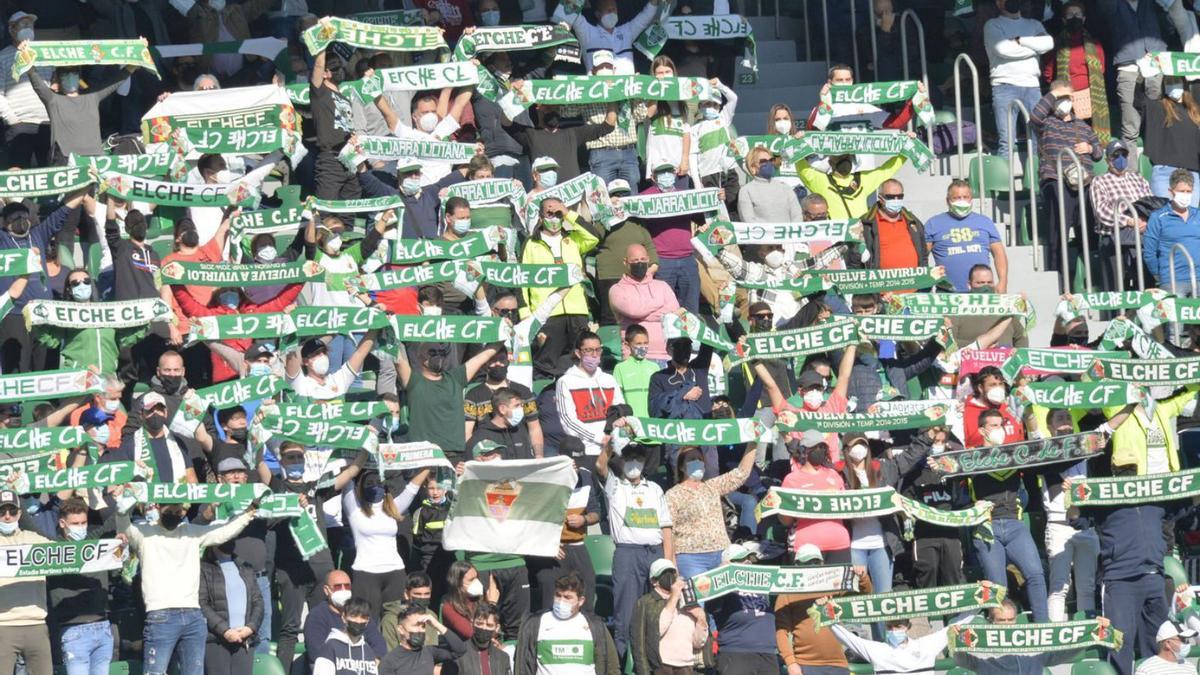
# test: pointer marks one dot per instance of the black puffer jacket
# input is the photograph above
(215, 606)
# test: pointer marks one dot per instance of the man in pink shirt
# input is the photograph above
(640, 298)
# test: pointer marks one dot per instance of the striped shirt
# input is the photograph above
(18, 102)
(1055, 133)
(628, 117)
(1107, 192)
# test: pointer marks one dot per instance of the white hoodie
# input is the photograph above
(583, 403)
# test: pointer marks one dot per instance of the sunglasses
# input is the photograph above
(79, 282)
(898, 195)
(763, 316)
(9, 510)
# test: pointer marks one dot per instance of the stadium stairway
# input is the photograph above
(783, 78)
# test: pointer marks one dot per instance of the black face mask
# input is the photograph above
(189, 238)
(497, 373)
(760, 324)
(238, 435)
(1012, 6)
(550, 119)
(419, 603)
(154, 423)
(19, 227)
(666, 580)
(170, 519)
(436, 363)
(416, 641)
(482, 637)
(1074, 24)
(512, 315)
(137, 231)
(844, 166)
(816, 456)
(681, 353)
(171, 383)
(638, 270)
(355, 629)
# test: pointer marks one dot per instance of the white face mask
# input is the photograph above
(1182, 199)
(339, 597)
(937, 448)
(783, 126)
(1063, 108)
(858, 453)
(475, 588)
(266, 254)
(224, 176)
(319, 365)
(462, 226)
(774, 259)
(428, 122)
(633, 469)
(996, 395)
(813, 399)
(77, 532)
(431, 311)
(111, 405)
(1175, 92)
(333, 245)
(996, 436)
(609, 20)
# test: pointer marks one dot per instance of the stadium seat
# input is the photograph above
(600, 549)
(265, 664)
(1093, 668)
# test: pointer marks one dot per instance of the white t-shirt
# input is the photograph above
(1156, 665)
(636, 513)
(375, 535)
(565, 647)
(335, 387)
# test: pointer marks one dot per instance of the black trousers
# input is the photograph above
(514, 596)
(937, 562)
(27, 145)
(18, 352)
(227, 659)
(746, 663)
(728, 180)
(297, 584)
(434, 563)
(1055, 241)
(560, 332)
(607, 318)
(548, 570)
(379, 588)
(334, 181)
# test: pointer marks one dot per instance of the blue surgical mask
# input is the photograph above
(897, 636)
(695, 469)
(462, 226)
(516, 416)
(82, 292)
(410, 186)
(665, 180)
(548, 179)
(294, 471)
(893, 206)
(229, 300)
(374, 494)
(766, 171)
(490, 17)
(9, 529)
(260, 369)
(1120, 162)
(77, 532)
(710, 113)
(562, 610)
(69, 82)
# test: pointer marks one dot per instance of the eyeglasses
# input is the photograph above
(79, 282)
(898, 195)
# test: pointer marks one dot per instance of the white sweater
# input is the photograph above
(583, 403)
(171, 559)
(1013, 62)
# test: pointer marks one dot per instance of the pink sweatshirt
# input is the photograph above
(644, 302)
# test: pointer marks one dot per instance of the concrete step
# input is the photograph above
(786, 73)
(1041, 288)
(776, 51)
(759, 101)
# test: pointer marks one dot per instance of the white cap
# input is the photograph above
(809, 553)
(1169, 629)
(152, 399)
(18, 15)
(603, 57)
(542, 163)
(618, 185)
(659, 566)
(734, 553)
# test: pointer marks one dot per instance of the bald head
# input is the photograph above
(335, 581)
(636, 253)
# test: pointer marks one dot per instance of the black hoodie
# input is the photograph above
(515, 439)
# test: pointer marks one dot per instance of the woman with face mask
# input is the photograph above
(766, 198)
(1079, 58)
(84, 344)
(374, 516)
(466, 593)
(233, 610)
(1172, 135)
(695, 503)
(715, 164)
(74, 111)
(669, 134)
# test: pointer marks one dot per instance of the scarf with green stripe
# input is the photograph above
(67, 53)
(372, 36)
(1039, 638)
(871, 94)
(906, 604)
(1005, 460)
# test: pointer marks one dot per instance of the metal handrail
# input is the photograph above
(825, 24)
(807, 36)
(1124, 208)
(1191, 274)
(854, 39)
(963, 58)
(924, 70)
(1062, 220)
(1012, 183)
(875, 47)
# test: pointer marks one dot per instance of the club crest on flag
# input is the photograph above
(702, 584)
(501, 496)
(171, 270)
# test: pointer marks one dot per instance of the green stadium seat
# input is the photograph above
(600, 549)
(1093, 668)
(958, 670)
(995, 175)
(288, 194)
(862, 668)
(265, 664)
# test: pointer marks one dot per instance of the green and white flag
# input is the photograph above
(903, 328)
(510, 506)
(963, 304)
(394, 17)
(417, 275)
(428, 76)
(803, 420)
(870, 94)
(519, 275)
(221, 275)
(79, 478)
(1172, 64)
(474, 245)
(311, 320)
(353, 411)
(1080, 395)
(1009, 458)
(44, 182)
(369, 204)
(387, 38)
(868, 281)
(693, 327)
(767, 579)
(19, 262)
(831, 143)
(392, 457)
(240, 327)
(699, 432)
(56, 558)
(587, 188)
(390, 148)
(47, 384)
(722, 233)
(906, 604)
(582, 89)
(236, 108)
(458, 329)
(30, 440)
(866, 503)
(511, 39)
(670, 204)
(239, 391)
(1071, 309)
(1175, 372)
(488, 191)
(799, 342)
(167, 164)
(698, 27)
(1034, 638)
(79, 315)
(197, 493)
(186, 195)
(253, 141)
(65, 53)
(1119, 491)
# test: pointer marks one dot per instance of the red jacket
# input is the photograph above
(1014, 431)
(190, 307)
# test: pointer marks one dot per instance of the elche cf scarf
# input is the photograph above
(723, 233)
(1124, 490)
(699, 27)
(81, 315)
(1034, 638)
(43, 182)
(868, 95)
(372, 36)
(865, 503)
(185, 195)
(56, 558)
(768, 579)
(831, 143)
(65, 53)
(699, 432)
(906, 604)
(1006, 459)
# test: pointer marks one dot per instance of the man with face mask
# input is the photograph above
(566, 623)
(329, 616)
(333, 123)
(672, 235)
(1173, 224)
(1106, 195)
(663, 633)
(146, 435)
(23, 630)
(550, 140)
(845, 189)
(1057, 127)
(74, 114)
(429, 122)
(479, 408)
(938, 555)
(960, 238)
(346, 651)
(614, 155)
(639, 298)
(893, 237)
(415, 655)
(900, 653)
(79, 602)
(1174, 643)
(421, 200)
(418, 592)
(505, 427)
(606, 33)
(134, 262)
(170, 564)
(315, 380)
(28, 126)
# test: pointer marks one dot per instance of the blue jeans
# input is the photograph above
(1013, 543)
(1137, 607)
(683, 276)
(1002, 95)
(613, 163)
(87, 648)
(170, 631)
(745, 503)
(691, 564)
(1160, 184)
(264, 629)
(879, 565)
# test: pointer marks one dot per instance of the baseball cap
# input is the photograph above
(542, 163)
(259, 350)
(93, 417)
(659, 566)
(809, 553)
(9, 498)
(152, 399)
(664, 166)
(618, 185)
(1114, 146)
(1170, 629)
(570, 446)
(810, 378)
(734, 553)
(407, 165)
(811, 438)
(487, 447)
(313, 347)
(602, 57)
(18, 15)
(232, 464)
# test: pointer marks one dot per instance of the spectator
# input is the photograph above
(233, 611)
(639, 298)
(1003, 615)
(28, 134)
(763, 199)
(480, 409)
(845, 189)
(614, 155)
(959, 239)
(434, 388)
(672, 242)
(1069, 546)
(505, 428)
(899, 653)
(1111, 194)
(566, 621)
(1174, 643)
(548, 140)
(418, 592)
(74, 116)
(1172, 129)
(699, 524)
(1078, 58)
(413, 655)
(585, 393)
(893, 237)
(347, 651)
(583, 511)
(667, 636)
(1014, 46)
(746, 624)
(1175, 224)
(378, 567)
(712, 136)
(800, 644)
(24, 617)
(668, 135)
(680, 391)
(484, 653)
(608, 35)
(841, 74)
(333, 124)
(1134, 33)
(466, 593)
(610, 253)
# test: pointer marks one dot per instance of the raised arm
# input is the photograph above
(317, 76)
(845, 368)
(364, 348)
(479, 360)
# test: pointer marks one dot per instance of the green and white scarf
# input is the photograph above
(30, 440)
(1119, 491)
(800, 341)
(47, 384)
(65, 53)
(866, 503)
(1080, 395)
(313, 320)
(697, 27)
(389, 148)
(1040, 361)
(394, 457)
(80, 478)
(963, 304)
(354, 411)
(1175, 372)
(767, 579)
(869, 95)
(475, 244)
(197, 493)
(459, 329)
(220, 275)
(371, 36)
(510, 39)
(427, 76)
(252, 141)
(1034, 638)
(370, 204)
(168, 164)
(45, 182)
(699, 432)
(1006, 459)
(240, 327)
(803, 420)
(587, 188)
(518, 275)
(404, 277)
(1121, 332)
(235, 108)
(19, 263)
(801, 283)
(693, 327)
(80, 315)
(249, 224)
(186, 195)
(56, 558)
(1172, 308)
(583, 89)
(723, 233)
(242, 390)
(831, 143)
(670, 204)
(395, 17)
(906, 604)
(906, 328)
(488, 191)
(1071, 309)
(313, 432)
(868, 281)
(1172, 64)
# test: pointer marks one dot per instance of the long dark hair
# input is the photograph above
(459, 599)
